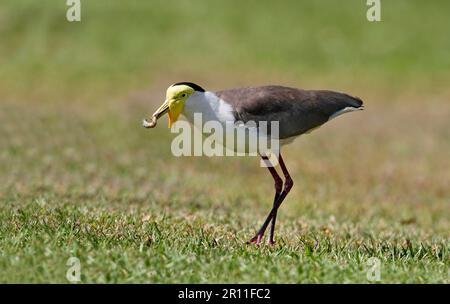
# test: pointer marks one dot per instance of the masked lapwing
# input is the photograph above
(296, 112)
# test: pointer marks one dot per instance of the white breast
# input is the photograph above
(213, 108)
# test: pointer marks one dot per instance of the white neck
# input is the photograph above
(210, 105)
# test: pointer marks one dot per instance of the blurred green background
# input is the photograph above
(118, 47)
(80, 177)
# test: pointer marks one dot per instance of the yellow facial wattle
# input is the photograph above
(176, 96)
(175, 109)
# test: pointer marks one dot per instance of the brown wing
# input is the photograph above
(296, 110)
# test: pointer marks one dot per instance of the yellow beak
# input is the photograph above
(173, 107)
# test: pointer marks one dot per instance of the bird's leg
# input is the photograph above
(288, 183)
(278, 186)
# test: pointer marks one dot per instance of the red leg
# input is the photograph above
(278, 185)
(287, 187)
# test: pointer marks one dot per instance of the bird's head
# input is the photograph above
(176, 96)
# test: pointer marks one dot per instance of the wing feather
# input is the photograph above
(297, 111)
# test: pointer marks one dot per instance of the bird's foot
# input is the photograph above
(271, 242)
(256, 239)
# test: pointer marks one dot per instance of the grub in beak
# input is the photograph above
(163, 109)
(149, 124)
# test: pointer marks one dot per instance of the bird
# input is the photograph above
(297, 111)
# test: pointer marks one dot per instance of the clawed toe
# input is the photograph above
(255, 240)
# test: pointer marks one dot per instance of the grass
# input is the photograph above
(80, 177)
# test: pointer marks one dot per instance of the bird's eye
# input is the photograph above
(183, 95)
